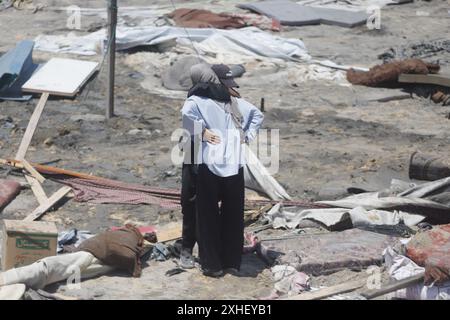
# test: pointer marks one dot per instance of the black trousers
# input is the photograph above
(220, 229)
(188, 208)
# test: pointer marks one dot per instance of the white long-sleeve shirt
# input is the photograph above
(226, 158)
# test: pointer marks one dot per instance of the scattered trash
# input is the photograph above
(420, 50)
(72, 237)
(249, 41)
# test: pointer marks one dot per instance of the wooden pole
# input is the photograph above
(112, 23)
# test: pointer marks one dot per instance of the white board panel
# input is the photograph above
(62, 77)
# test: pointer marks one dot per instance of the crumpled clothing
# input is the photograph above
(160, 252)
(289, 281)
(72, 237)
(120, 248)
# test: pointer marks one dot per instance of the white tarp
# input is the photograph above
(249, 41)
(258, 178)
(359, 217)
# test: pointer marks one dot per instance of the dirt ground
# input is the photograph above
(331, 136)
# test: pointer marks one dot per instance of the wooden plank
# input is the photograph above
(437, 79)
(33, 171)
(43, 208)
(330, 291)
(37, 189)
(169, 234)
(62, 77)
(391, 287)
(29, 132)
(55, 296)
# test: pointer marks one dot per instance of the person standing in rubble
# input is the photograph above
(215, 112)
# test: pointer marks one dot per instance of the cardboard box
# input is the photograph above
(25, 242)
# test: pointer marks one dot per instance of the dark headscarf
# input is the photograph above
(206, 84)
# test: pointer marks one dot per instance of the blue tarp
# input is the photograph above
(16, 67)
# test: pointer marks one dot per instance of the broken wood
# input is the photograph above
(35, 181)
(43, 208)
(37, 189)
(29, 132)
(391, 287)
(169, 234)
(436, 79)
(53, 170)
(330, 291)
(33, 171)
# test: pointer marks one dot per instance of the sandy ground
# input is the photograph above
(331, 136)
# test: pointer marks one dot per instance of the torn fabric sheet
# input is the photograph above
(434, 211)
(401, 267)
(339, 217)
(111, 191)
(249, 41)
(289, 281)
(258, 178)
(427, 189)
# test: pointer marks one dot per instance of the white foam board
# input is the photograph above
(63, 77)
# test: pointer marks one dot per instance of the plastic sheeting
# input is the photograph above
(431, 199)
(335, 218)
(258, 178)
(16, 67)
(249, 41)
(401, 267)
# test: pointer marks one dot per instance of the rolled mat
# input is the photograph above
(9, 189)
